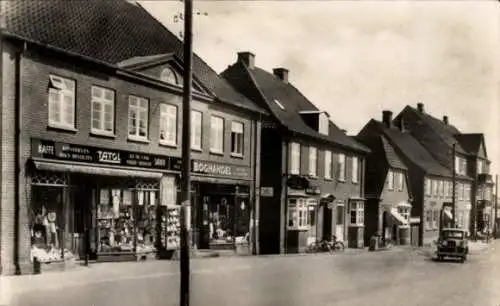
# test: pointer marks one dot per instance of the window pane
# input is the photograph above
(109, 95)
(96, 92)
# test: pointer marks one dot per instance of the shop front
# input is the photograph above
(222, 206)
(396, 224)
(100, 204)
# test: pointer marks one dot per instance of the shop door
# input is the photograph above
(340, 225)
(327, 223)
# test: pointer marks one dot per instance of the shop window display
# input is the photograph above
(228, 223)
(47, 225)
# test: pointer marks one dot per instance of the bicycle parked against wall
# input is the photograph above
(325, 246)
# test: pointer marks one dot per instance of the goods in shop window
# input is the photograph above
(172, 223)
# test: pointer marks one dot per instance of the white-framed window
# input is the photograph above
(390, 180)
(103, 110)
(460, 165)
(216, 134)
(237, 136)
(196, 129)
(323, 125)
(435, 190)
(328, 164)
(441, 188)
(61, 102)
(404, 211)
(427, 187)
(355, 169)
(450, 189)
(461, 191)
(137, 118)
(445, 187)
(480, 166)
(298, 214)
(467, 191)
(313, 161)
(357, 213)
(341, 167)
(295, 158)
(168, 124)
(401, 181)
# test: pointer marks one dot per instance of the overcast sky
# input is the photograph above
(356, 58)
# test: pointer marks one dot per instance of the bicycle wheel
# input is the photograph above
(338, 246)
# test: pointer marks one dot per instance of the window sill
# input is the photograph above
(355, 183)
(328, 179)
(311, 176)
(138, 139)
(215, 152)
(302, 228)
(167, 144)
(237, 155)
(62, 127)
(341, 180)
(294, 172)
(102, 134)
(197, 149)
(356, 225)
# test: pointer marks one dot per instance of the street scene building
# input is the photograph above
(312, 173)
(91, 139)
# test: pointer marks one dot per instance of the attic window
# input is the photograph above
(323, 124)
(169, 76)
(279, 104)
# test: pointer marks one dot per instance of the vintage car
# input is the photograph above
(452, 242)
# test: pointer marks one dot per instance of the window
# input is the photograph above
(313, 161)
(328, 164)
(467, 190)
(237, 138)
(460, 165)
(137, 118)
(341, 167)
(461, 191)
(435, 219)
(295, 158)
(450, 189)
(169, 76)
(323, 124)
(61, 102)
(168, 124)
(357, 213)
(355, 169)
(480, 166)
(435, 190)
(405, 212)
(428, 219)
(427, 187)
(441, 188)
(102, 115)
(216, 134)
(340, 214)
(298, 214)
(401, 180)
(390, 180)
(196, 129)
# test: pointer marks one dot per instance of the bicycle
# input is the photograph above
(336, 245)
(325, 246)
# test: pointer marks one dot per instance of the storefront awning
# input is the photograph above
(93, 170)
(397, 216)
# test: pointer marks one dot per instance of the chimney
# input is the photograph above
(282, 74)
(387, 118)
(247, 58)
(401, 124)
(344, 131)
(445, 120)
(420, 107)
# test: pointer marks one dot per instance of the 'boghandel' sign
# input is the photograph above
(217, 169)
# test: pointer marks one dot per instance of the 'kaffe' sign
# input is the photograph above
(216, 169)
(79, 153)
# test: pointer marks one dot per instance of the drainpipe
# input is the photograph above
(256, 192)
(285, 187)
(17, 155)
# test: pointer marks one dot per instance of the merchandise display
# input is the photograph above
(49, 254)
(170, 225)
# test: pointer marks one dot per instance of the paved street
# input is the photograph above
(400, 277)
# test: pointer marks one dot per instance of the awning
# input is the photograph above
(404, 204)
(328, 197)
(93, 170)
(396, 215)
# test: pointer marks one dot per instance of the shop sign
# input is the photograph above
(313, 190)
(80, 153)
(267, 191)
(218, 169)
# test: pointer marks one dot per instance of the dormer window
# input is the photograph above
(323, 124)
(168, 75)
(279, 104)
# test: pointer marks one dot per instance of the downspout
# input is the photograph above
(285, 186)
(17, 157)
(256, 188)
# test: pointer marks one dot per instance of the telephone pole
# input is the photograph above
(186, 153)
(495, 229)
(454, 180)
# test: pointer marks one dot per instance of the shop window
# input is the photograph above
(103, 110)
(313, 161)
(237, 137)
(328, 164)
(216, 134)
(196, 129)
(295, 158)
(298, 214)
(355, 169)
(61, 102)
(137, 118)
(168, 124)
(357, 213)
(341, 167)
(227, 218)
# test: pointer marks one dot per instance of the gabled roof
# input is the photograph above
(284, 102)
(408, 146)
(107, 31)
(391, 156)
(470, 142)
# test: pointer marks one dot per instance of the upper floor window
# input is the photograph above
(441, 188)
(196, 129)
(137, 117)
(313, 161)
(237, 138)
(61, 102)
(355, 169)
(460, 165)
(216, 134)
(168, 75)
(323, 125)
(427, 187)
(328, 164)
(467, 191)
(103, 110)
(435, 190)
(401, 181)
(404, 211)
(168, 124)
(480, 166)
(390, 180)
(341, 167)
(295, 158)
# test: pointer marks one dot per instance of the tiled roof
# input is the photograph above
(390, 154)
(278, 93)
(470, 142)
(413, 150)
(110, 31)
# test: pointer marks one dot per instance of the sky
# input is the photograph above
(355, 59)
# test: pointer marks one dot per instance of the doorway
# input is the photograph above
(340, 224)
(327, 223)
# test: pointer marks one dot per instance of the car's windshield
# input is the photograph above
(453, 234)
